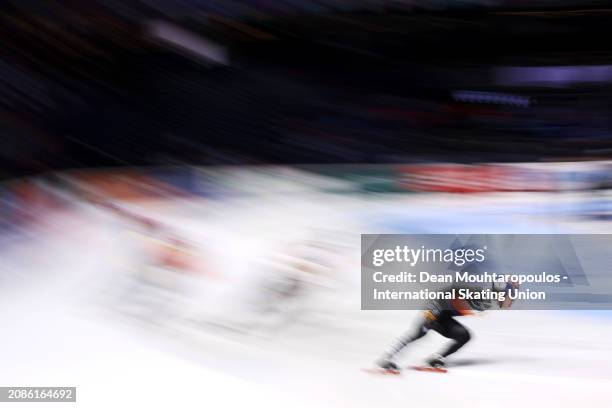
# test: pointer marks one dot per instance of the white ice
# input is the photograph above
(57, 329)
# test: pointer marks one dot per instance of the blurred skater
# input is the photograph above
(439, 316)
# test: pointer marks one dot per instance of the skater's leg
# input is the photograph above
(452, 329)
(421, 327)
(406, 339)
(386, 361)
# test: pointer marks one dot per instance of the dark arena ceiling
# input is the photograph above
(94, 83)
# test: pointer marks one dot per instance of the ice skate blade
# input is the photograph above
(381, 371)
(429, 369)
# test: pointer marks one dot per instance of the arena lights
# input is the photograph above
(492, 98)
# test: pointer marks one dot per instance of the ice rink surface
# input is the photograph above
(64, 321)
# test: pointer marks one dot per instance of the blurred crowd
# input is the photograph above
(109, 83)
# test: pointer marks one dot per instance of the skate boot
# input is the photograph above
(386, 366)
(436, 361)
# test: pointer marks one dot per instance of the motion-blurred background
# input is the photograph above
(155, 82)
(197, 174)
